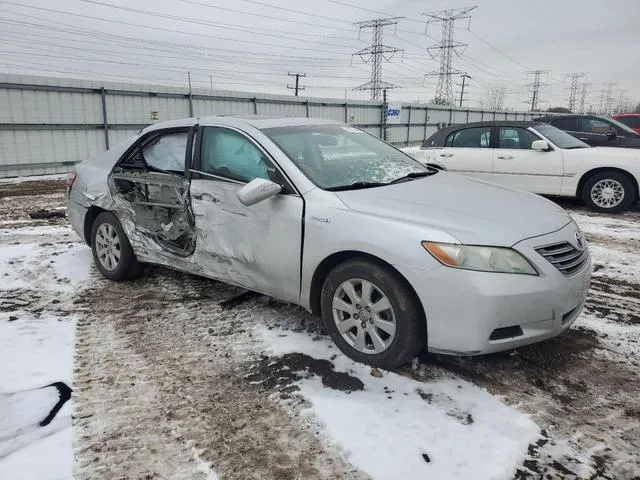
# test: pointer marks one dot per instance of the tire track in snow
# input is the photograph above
(160, 389)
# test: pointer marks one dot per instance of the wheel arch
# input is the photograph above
(335, 259)
(89, 218)
(587, 175)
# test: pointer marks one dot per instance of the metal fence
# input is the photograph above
(49, 124)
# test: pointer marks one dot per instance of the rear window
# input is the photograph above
(633, 122)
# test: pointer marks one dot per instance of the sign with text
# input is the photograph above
(393, 113)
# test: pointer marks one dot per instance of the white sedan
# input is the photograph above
(538, 158)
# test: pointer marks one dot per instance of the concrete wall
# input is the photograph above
(48, 124)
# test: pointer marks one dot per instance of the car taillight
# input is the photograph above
(71, 177)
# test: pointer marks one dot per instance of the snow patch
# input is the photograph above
(395, 424)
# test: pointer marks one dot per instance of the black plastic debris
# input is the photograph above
(426, 458)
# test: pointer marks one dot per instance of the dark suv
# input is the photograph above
(594, 130)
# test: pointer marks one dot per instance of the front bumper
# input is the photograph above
(471, 313)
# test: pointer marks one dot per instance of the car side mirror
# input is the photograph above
(540, 145)
(258, 190)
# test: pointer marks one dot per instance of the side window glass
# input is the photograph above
(516, 138)
(227, 153)
(167, 152)
(595, 125)
(470, 138)
(567, 124)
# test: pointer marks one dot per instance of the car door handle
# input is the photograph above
(205, 197)
(505, 157)
(446, 154)
(584, 139)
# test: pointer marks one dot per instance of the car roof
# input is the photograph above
(257, 121)
(620, 115)
(438, 138)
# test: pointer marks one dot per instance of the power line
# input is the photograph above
(150, 27)
(445, 50)
(375, 53)
(144, 42)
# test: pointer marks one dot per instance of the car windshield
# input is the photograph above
(336, 157)
(559, 138)
(622, 126)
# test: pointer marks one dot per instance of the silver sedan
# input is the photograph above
(394, 256)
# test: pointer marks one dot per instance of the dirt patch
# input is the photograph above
(280, 374)
(47, 214)
(33, 188)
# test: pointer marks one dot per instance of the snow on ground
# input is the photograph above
(36, 350)
(386, 428)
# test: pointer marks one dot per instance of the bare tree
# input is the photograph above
(495, 97)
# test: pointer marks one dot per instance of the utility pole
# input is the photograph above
(385, 108)
(535, 87)
(445, 50)
(190, 95)
(297, 86)
(583, 96)
(376, 53)
(573, 89)
(464, 77)
(211, 85)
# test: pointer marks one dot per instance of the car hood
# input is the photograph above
(602, 153)
(473, 211)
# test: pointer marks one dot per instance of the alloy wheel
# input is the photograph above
(364, 316)
(607, 193)
(108, 247)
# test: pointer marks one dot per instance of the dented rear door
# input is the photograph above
(257, 247)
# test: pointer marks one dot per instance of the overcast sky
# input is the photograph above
(251, 45)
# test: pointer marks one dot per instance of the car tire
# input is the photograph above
(340, 311)
(609, 192)
(112, 252)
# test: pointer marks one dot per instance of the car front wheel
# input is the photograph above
(372, 314)
(112, 252)
(609, 192)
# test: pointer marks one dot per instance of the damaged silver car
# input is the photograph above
(395, 256)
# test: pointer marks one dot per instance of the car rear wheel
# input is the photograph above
(609, 192)
(112, 252)
(372, 314)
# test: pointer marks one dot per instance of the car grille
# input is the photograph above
(565, 257)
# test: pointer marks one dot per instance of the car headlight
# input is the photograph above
(482, 259)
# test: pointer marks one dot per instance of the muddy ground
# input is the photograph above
(165, 380)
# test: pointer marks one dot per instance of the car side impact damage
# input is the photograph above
(161, 207)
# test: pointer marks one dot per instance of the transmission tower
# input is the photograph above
(376, 53)
(445, 50)
(535, 87)
(608, 103)
(573, 89)
(583, 96)
(621, 104)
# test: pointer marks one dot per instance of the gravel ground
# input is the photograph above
(165, 370)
